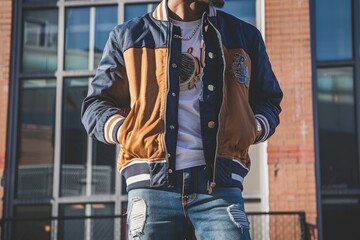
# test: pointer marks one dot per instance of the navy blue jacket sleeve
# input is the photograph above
(107, 102)
(265, 93)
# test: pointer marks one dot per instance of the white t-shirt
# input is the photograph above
(189, 150)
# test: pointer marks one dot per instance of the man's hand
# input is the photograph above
(216, 3)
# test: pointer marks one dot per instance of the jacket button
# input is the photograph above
(170, 170)
(211, 87)
(174, 94)
(172, 127)
(211, 124)
(174, 65)
(212, 55)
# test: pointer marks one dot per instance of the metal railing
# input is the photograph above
(263, 226)
(278, 225)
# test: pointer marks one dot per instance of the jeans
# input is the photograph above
(187, 211)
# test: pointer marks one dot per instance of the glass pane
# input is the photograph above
(102, 228)
(36, 144)
(103, 168)
(74, 139)
(40, 41)
(72, 229)
(333, 29)
(243, 9)
(77, 38)
(135, 10)
(87, 228)
(337, 131)
(341, 214)
(32, 230)
(105, 21)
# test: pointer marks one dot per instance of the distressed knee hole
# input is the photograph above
(238, 216)
(137, 217)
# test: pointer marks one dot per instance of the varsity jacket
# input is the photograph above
(133, 97)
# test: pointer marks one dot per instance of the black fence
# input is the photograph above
(279, 226)
(263, 226)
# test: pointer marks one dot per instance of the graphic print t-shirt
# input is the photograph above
(189, 150)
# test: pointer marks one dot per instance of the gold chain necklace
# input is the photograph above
(190, 36)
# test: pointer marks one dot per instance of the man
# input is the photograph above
(185, 91)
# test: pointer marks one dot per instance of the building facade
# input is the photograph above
(50, 168)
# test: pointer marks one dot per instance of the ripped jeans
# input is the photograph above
(187, 211)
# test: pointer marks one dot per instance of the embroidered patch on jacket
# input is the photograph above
(241, 68)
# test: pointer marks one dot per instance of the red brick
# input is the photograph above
(291, 149)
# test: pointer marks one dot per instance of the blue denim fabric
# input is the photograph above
(187, 209)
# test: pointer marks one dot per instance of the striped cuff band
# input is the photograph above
(111, 128)
(265, 127)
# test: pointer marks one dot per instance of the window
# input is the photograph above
(336, 80)
(74, 140)
(77, 38)
(244, 9)
(333, 30)
(337, 109)
(344, 213)
(36, 138)
(105, 20)
(57, 164)
(87, 30)
(40, 36)
(36, 229)
(79, 168)
(135, 10)
(94, 229)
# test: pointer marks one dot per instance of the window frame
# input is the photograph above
(324, 196)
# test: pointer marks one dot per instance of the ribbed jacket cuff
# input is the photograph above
(265, 126)
(112, 128)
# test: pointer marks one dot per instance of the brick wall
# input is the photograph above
(291, 149)
(5, 39)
